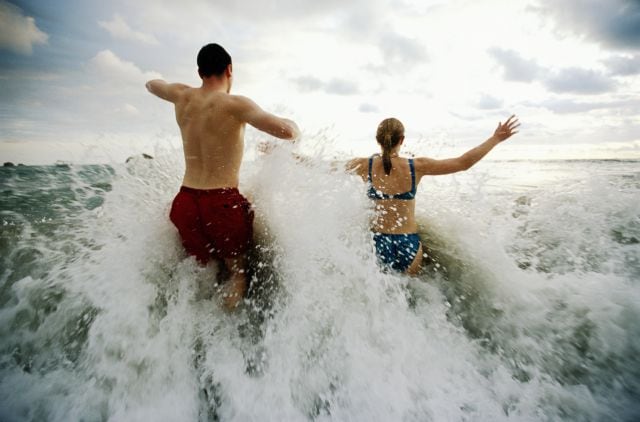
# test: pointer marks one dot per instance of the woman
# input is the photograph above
(393, 181)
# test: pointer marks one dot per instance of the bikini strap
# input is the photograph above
(413, 175)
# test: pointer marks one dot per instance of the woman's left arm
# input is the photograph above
(432, 167)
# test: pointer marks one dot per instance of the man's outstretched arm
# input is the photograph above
(164, 90)
(249, 112)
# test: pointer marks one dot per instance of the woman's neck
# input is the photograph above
(393, 154)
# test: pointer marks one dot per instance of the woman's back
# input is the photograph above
(393, 194)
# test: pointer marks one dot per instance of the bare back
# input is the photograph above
(212, 137)
(393, 216)
(212, 124)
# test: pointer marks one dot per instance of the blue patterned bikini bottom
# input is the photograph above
(396, 251)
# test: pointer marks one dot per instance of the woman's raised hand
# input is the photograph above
(504, 131)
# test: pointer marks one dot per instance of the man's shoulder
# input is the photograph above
(239, 100)
(239, 103)
(177, 88)
(165, 90)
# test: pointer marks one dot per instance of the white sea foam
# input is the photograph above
(530, 309)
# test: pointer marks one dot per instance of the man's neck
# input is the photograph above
(216, 84)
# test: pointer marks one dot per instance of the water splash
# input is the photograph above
(521, 314)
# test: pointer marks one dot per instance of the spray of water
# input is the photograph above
(527, 310)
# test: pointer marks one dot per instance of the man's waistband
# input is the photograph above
(220, 191)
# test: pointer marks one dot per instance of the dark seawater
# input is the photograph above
(528, 308)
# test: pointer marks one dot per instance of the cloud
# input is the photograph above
(623, 65)
(119, 29)
(18, 33)
(111, 67)
(567, 106)
(400, 49)
(487, 102)
(341, 87)
(283, 9)
(334, 86)
(515, 67)
(578, 81)
(568, 80)
(235, 18)
(130, 109)
(615, 23)
(308, 83)
(368, 108)
(397, 50)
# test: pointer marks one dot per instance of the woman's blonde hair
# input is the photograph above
(390, 133)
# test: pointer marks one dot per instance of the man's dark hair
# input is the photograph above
(212, 60)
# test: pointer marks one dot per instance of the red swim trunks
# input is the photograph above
(213, 223)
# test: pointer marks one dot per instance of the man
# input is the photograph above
(214, 220)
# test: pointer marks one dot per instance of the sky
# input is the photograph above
(72, 73)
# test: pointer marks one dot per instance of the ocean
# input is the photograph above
(528, 307)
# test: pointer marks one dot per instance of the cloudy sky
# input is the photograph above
(72, 72)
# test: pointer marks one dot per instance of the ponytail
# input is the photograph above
(389, 134)
(386, 152)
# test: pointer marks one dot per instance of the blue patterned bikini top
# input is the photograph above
(373, 193)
